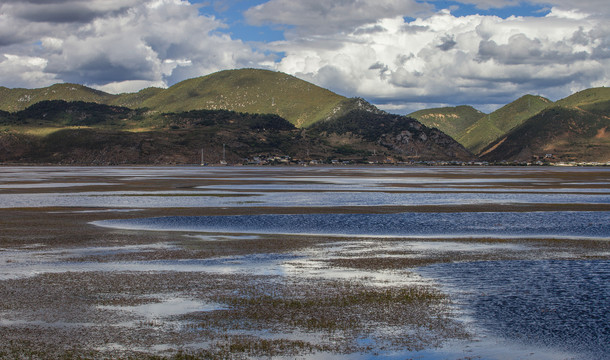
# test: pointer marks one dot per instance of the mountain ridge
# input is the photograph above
(242, 90)
(557, 134)
(492, 126)
(27, 112)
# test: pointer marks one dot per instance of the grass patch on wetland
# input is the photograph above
(338, 313)
(260, 315)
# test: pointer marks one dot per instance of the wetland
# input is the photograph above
(305, 262)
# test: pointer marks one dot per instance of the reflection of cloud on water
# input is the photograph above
(312, 262)
(165, 307)
(305, 195)
(15, 264)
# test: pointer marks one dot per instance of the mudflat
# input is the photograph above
(180, 262)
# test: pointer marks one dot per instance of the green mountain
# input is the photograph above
(245, 90)
(18, 99)
(474, 129)
(251, 91)
(451, 120)
(595, 100)
(492, 126)
(324, 124)
(576, 128)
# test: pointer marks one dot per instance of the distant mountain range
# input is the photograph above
(576, 128)
(259, 116)
(238, 117)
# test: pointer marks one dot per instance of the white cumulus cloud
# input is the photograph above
(27, 71)
(445, 59)
(104, 43)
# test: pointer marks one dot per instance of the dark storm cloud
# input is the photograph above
(64, 13)
(412, 29)
(9, 39)
(370, 30)
(378, 66)
(447, 43)
(101, 69)
(522, 50)
(316, 17)
(36, 2)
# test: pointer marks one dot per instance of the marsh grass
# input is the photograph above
(337, 311)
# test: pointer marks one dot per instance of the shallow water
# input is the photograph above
(27, 264)
(122, 199)
(299, 187)
(556, 224)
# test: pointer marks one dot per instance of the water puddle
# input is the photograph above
(311, 263)
(402, 247)
(35, 259)
(218, 198)
(223, 237)
(165, 307)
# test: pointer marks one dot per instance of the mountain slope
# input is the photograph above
(402, 137)
(576, 128)
(595, 100)
(453, 121)
(134, 100)
(491, 127)
(559, 134)
(59, 132)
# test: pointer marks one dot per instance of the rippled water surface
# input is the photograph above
(447, 225)
(555, 303)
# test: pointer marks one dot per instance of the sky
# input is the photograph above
(401, 55)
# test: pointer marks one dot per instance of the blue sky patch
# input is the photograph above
(231, 13)
(524, 9)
